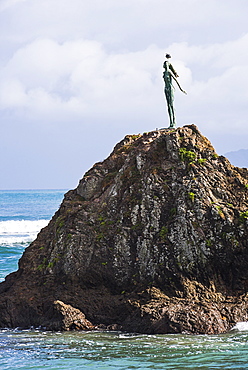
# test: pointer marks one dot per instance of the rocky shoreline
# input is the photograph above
(160, 315)
(153, 240)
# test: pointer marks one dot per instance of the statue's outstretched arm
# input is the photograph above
(178, 84)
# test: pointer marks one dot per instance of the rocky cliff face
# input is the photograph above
(153, 239)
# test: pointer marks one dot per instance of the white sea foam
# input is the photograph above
(241, 326)
(20, 231)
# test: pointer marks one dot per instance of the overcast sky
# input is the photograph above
(77, 76)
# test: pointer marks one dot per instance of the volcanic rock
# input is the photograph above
(153, 240)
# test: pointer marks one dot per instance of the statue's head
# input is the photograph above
(168, 56)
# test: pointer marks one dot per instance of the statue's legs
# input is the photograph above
(172, 116)
(169, 99)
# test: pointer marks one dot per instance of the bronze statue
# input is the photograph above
(169, 75)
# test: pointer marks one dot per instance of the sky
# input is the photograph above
(77, 76)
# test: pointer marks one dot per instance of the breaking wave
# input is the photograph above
(23, 231)
(241, 326)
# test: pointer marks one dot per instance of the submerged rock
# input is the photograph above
(153, 240)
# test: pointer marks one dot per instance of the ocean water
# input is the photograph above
(22, 215)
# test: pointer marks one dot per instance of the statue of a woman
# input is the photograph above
(168, 75)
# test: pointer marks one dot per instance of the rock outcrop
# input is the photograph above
(68, 318)
(153, 240)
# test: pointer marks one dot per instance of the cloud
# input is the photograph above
(78, 77)
(5, 4)
(120, 25)
(73, 71)
(215, 77)
(81, 79)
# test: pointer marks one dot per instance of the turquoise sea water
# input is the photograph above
(22, 215)
(94, 350)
